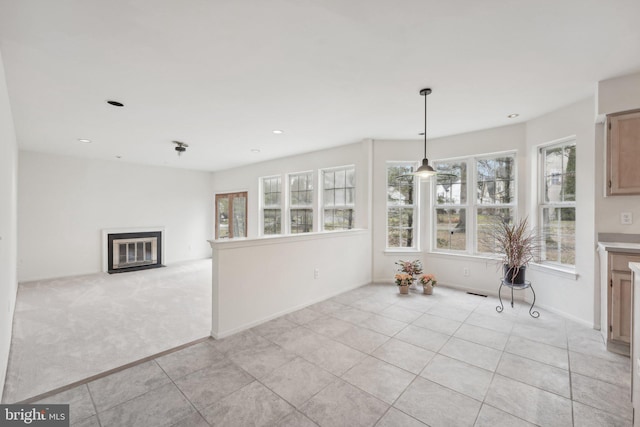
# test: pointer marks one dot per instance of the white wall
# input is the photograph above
(618, 94)
(64, 203)
(483, 275)
(247, 178)
(573, 297)
(8, 215)
(256, 280)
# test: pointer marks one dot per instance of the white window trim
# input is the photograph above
(568, 270)
(416, 210)
(471, 206)
(320, 197)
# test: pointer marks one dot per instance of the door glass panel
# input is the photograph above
(239, 215)
(223, 218)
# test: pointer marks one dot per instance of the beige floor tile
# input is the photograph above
(208, 385)
(396, 418)
(545, 353)
(79, 400)
(534, 373)
(586, 416)
(382, 380)
(472, 353)
(612, 371)
(404, 355)
(114, 389)
(611, 398)
(252, 405)
(438, 324)
(422, 337)
(436, 405)
(529, 403)
(459, 376)
(362, 339)
(342, 404)
(162, 406)
(492, 417)
(190, 359)
(486, 337)
(297, 381)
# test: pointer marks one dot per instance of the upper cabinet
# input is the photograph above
(623, 153)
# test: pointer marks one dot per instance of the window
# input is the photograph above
(402, 206)
(451, 205)
(470, 195)
(301, 202)
(558, 202)
(231, 215)
(495, 197)
(338, 198)
(271, 205)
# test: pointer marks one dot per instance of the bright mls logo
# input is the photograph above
(34, 415)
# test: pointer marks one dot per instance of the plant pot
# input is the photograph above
(427, 289)
(509, 275)
(404, 289)
(413, 284)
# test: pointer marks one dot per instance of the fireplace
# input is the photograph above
(133, 251)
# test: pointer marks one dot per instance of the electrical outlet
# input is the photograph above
(316, 273)
(465, 272)
(626, 218)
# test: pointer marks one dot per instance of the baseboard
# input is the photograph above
(250, 325)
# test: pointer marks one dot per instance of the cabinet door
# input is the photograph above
(621, 306)
(623, 153)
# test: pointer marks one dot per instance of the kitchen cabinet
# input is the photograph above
(623, 153)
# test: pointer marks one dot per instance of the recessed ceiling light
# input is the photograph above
(115, 103)
(278, 131)
(86, 141)
(255, 150)
(513, 116)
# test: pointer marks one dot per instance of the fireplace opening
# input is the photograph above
(134, 251)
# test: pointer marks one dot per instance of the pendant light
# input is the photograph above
(425, 171)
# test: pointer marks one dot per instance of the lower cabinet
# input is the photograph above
(620, 303)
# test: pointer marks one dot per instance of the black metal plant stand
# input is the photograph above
(518, 287)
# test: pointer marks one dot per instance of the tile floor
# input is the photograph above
(373, 357)
(69, 329)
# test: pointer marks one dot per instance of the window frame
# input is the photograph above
(542, 204)
(472, 205)
(321, 203)
(291, 206)
(263, 206)
(416, 208)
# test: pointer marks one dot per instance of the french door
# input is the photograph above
(231, 215)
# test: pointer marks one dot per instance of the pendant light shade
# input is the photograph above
(425, 171)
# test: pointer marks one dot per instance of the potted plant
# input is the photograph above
(403, 280)
(428, 281)
(517, 245)
(412, 268)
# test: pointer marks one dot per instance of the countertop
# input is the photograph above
(620, 247)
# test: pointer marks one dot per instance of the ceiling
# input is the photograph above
(221, 75)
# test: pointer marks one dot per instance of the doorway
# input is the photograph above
(231, 215)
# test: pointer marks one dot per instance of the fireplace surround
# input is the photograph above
(132, 250)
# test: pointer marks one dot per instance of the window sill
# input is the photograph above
(401, 251)
(564, 272)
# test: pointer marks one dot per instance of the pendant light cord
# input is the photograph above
(425, 125)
